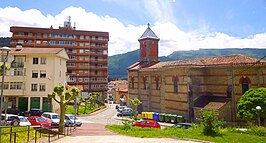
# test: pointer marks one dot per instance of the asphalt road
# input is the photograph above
(107, 116)
(93, 131)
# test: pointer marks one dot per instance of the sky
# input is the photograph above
(180, 24)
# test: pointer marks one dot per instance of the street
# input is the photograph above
(93, 130)
(107, 116)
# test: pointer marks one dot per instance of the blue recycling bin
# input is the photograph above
(156, 116)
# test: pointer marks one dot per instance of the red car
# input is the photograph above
(40, 121)
(147, 123)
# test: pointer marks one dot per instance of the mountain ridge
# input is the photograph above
(118, 64)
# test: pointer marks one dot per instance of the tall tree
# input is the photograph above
(65, 96)
(249, 101)
(135, 102)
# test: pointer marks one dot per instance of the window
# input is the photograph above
(17, 72)
(44, 35)
(42, 87)
(87, 37)
(72, 57)
(6, 85)
(132, 83)
(87, 43)
(86, 79)
(43, 61)
(80, 79)
(175, 85)
(35, 61)
(42, 74)
(16, 85)
(81, 51)
(157, 83)
(81, 44)
(38, 42)
(144, 82)
(34, 87)
(245, 85)
(38, 35)
(34, 74)
(82, 37)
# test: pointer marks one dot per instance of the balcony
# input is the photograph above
(17, 65)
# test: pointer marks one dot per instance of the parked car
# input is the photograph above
(183, 125)
(70, 120)
(120, 108)
(147, 123)
(52, 118)
(11, 119)
(23, 121)
(15, 111)
(35, 112)
(39, 121)
(125, 112)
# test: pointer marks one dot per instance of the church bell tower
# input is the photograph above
(148, 46)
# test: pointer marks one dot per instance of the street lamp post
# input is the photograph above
(75, 104)
(258, 108)
(3, 49)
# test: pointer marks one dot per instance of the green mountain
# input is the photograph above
(118, 63)
(5, 41)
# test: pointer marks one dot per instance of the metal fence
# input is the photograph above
(12, 133)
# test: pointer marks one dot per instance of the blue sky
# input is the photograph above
(180, 24)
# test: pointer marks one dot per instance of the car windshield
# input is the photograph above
(72, 117)
(40, 120)
(55, 117)
(23, 120)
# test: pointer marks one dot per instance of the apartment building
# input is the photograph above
(31, 76)
(87, 66)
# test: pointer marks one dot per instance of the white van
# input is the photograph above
(52, 118)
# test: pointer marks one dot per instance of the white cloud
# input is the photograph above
(124, 38)
(159, 10)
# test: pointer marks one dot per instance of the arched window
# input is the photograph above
(144, 83)
(132, 83)
(245, 85)
(175, 84)
(157, 83)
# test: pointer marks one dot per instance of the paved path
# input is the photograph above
(96, 133)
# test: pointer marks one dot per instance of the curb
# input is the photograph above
(94, 112)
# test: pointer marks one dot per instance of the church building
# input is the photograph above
(185, 87)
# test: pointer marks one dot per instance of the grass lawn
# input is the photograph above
(21, 136)
(191, 133)
(70, 109)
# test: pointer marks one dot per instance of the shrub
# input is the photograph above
(210, 122)
(127, 124)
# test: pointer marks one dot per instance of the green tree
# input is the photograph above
(134, 103)
(64, 98)
(210, 122)
(2, 67)
(249, 101)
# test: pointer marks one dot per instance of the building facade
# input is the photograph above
(118, 91)
(186, 87)
(87, 50)
(31, 76)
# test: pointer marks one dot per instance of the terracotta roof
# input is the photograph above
(148, 34)
(237, 59)
(214, 105)
(141, 65)
(26, 51)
